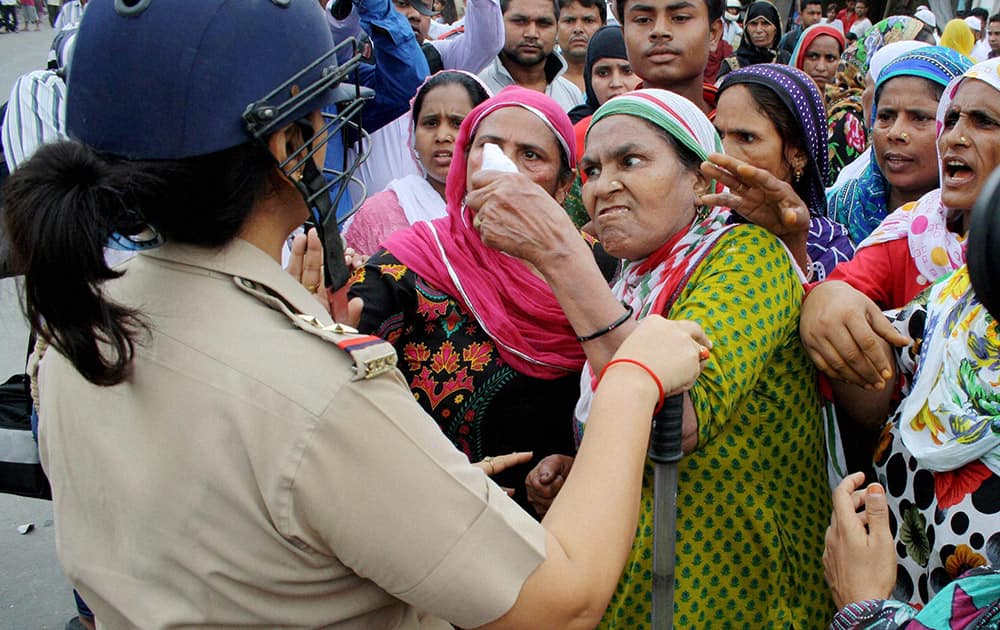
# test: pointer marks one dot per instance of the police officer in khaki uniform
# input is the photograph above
(220, 452)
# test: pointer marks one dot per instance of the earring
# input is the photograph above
(797, 174)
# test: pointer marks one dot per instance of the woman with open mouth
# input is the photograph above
(902, 133)
(436, 113)
(937, 458)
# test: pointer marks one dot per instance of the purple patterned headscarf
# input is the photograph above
(802, 98)
(828, 242)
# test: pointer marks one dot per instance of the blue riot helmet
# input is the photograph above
(173, 79)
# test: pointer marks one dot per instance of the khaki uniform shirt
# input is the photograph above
(239, 476)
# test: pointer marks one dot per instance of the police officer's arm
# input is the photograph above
(591, 524)
(380, 488)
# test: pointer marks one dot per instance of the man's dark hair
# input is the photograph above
(504, 4)
(994, 18)
(980, 13)
(715, 9)
(808, 2)
(600, 5)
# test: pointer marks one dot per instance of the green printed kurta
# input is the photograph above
(753, 500)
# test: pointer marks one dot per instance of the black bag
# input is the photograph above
(20, 468)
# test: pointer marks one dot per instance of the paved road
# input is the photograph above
(33, 592)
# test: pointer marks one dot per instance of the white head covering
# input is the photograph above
(889, 53)
(975, 24)
(924, 15)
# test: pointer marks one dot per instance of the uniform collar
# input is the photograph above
(240, 259)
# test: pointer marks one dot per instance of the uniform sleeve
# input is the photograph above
(399, 505)
(746, 296)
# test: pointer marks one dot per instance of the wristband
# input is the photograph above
(656, 379)
(615, 324)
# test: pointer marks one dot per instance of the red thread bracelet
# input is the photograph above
(652, 374)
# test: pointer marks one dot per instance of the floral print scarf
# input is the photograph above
(952, 414)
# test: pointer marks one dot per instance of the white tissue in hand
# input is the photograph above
(495, 160)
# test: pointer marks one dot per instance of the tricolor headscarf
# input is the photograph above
(808, 36)
(652, 284)
(514, 307)
(861, 204)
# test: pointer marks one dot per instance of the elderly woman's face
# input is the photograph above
(638, 192)
(970, 143)
(761, 32)
(903, 135)
(523, 138)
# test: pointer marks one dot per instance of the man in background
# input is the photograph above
(529, 58)
(578, 21)
(812, 13)
(993, 35)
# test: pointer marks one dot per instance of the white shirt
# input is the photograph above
(482, 40)
(981, 51)
(861, 26)
(36, 115)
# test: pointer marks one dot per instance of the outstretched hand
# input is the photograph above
(761, 198)
(847, 336)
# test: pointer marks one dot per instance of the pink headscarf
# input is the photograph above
(514, 307)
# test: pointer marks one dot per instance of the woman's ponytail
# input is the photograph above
(62, 205)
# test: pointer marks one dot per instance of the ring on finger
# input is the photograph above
(312, 287)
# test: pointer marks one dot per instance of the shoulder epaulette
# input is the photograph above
(372, 355)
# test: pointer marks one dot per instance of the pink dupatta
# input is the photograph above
(513, 306)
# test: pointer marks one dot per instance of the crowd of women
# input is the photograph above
(793, 266)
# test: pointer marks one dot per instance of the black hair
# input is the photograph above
(64, 203)
(505, 4)
(980, 13)
(715, 10)
(600, 5)
(806, 3)
(993, 18)
(477, 93)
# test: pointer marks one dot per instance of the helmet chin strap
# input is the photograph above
(314, 188)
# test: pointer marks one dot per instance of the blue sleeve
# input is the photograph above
(400, 66)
